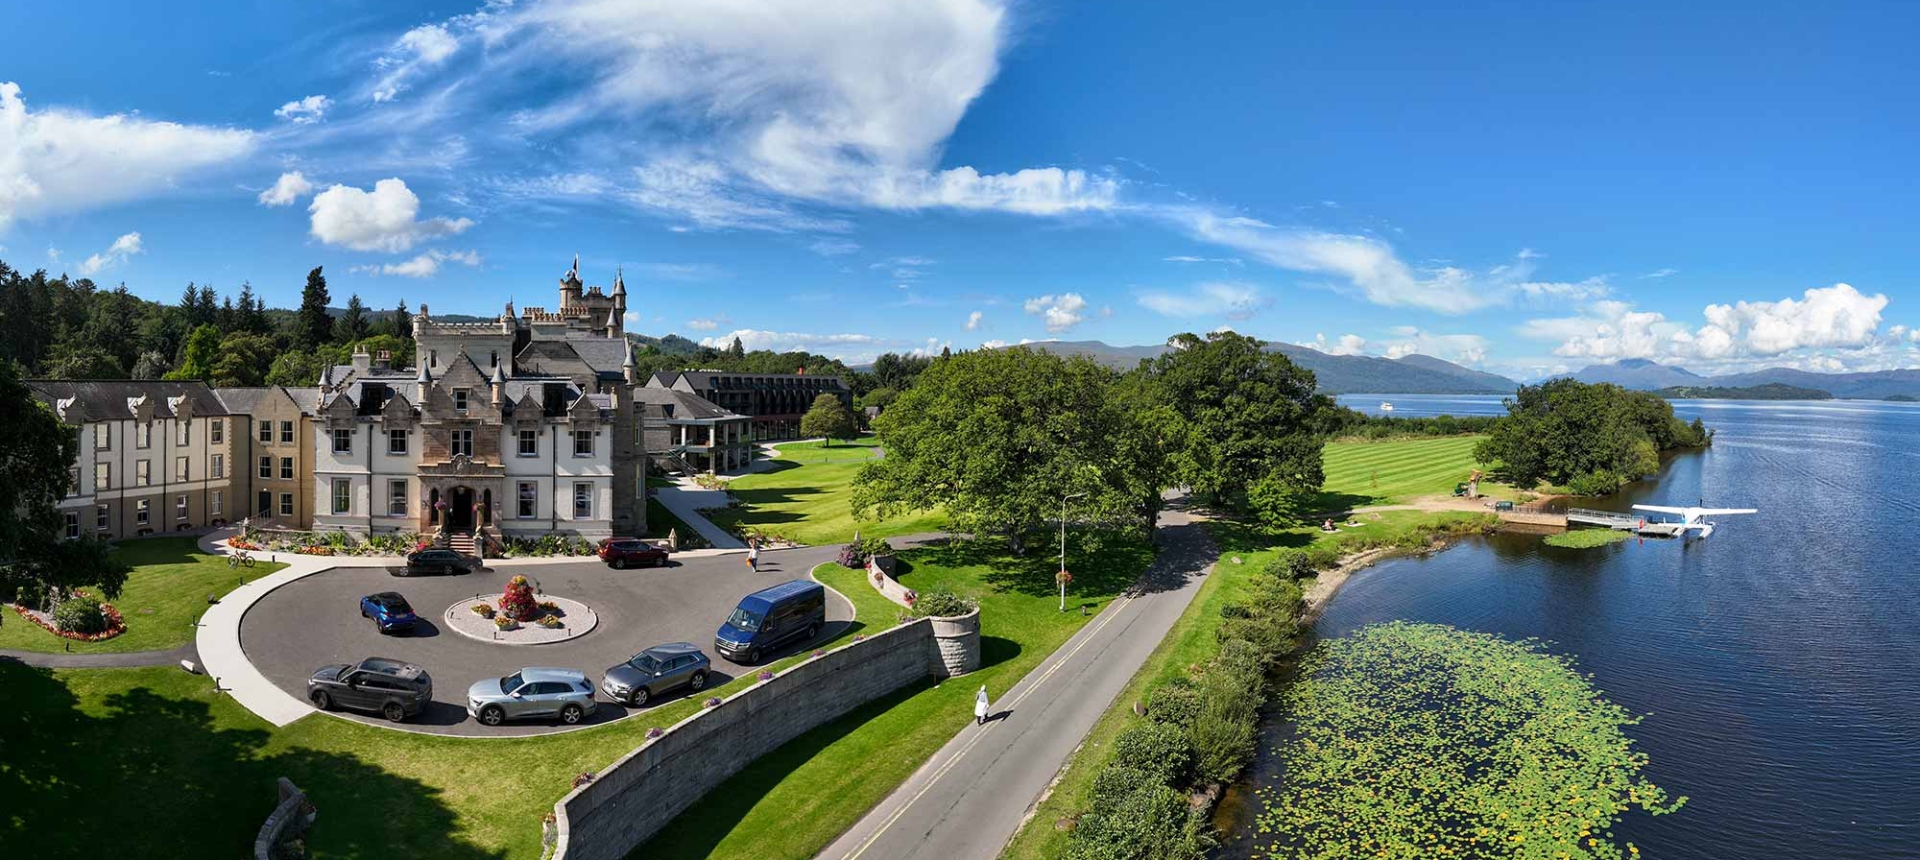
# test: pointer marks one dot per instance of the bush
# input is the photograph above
(850, 557)
(505, 622)
(1223, 732)
(80, 614)
(1152, 823)
(551, 623)
(943, 604)
(1175, 705)
(484, 610)
(1113, 785)
(1290, 566)
(1157, 748)
(872, 546)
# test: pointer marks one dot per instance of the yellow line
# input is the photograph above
(949, 763)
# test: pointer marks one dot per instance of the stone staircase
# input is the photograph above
(461, 543)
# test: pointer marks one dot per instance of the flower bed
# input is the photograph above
(116, 625)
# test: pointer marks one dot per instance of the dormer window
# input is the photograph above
(460, 399)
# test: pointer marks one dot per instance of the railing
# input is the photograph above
(1588, 515)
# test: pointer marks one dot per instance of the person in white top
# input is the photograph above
(980, 706)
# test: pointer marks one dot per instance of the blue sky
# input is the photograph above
(1724, 186)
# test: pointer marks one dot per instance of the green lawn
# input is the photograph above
(1395, 471)
(1587, 538)
(661, 522)
(791, 803)
(162, 599)
(806, 496)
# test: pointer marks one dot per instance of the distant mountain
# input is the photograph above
(1769, 391)
(1639, 373)
(1651, 376)
(1334, 374)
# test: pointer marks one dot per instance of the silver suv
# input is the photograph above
(534, 692)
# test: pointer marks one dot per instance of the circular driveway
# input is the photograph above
(315, 621)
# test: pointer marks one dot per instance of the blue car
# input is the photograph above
(389, 611)
(771, 618)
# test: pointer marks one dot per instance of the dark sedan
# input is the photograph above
(394, 689)
(438, 561)
(657, 670)
(622, 554)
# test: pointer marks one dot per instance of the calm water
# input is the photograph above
(1778, 661)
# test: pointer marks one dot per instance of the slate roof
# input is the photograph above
(657, 400)
(106, 400)
(243, 400)
(702, 379)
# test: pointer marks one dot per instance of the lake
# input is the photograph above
(1777, 662)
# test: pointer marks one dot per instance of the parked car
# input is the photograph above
(772, 617)
(390, 612)
(391, 688)
(657, 670)
(438, 561)
(622, 554)
(565, 694)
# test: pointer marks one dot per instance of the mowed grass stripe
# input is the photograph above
(1391, 471)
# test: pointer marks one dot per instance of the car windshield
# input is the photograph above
(392, 603)
(645, 663)
(745, 619)
(511, 683)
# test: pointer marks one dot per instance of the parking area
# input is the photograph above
(315, 621)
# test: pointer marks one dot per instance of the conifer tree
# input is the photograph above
(315, 325)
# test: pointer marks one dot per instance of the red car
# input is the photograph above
(622, 553)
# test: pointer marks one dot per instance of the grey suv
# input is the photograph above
(394, 689)
(657, 670)
(565, 694)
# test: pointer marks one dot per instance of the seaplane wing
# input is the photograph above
(1721, 512)
(1659, 509)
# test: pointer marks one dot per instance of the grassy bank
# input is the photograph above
(791, 803)
(163, 597)
(1587, 538)
(805, 496)
(1194, 640)
(1396, 471)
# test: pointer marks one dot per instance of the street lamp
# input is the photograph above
(1063, 577)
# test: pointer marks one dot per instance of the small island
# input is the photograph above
(1901, 398)
(1769, 391)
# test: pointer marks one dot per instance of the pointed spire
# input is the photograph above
(510, 314)
(573, 274)
(619, 281)
(499, 374)
(425, 378)
(613, 321)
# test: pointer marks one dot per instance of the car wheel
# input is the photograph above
(660, 562)
(451, 571)
(571, 714)
(401, 571)
(492, 715)
(321, 700)
(753, 656)
(393, 712)
(813, 632)
(618, 564)
(698, 681)
(639, 697)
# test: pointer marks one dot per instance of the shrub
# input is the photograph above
(850, 556)
(1291, 565)
(550, 607)
(1223, 731)
(484, 610)
(505, 622)
(1175, 705)
(80, 614)
(1152, 823)
(1157, 748)
(872, 546)
(1113, 785)
(943, 604)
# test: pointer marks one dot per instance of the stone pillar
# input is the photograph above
(956, 643)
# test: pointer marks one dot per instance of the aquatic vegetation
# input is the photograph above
(1421, 740)
(1587, 538)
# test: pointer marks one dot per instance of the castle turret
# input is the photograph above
(570, 285)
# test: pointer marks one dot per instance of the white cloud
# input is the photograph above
(1234, 300)
(973, 320)
(703, 192)
(1836, 317)
(53, 254)
(425, 265)
(1661, 273)
(291, 186)
(1060, 313)
(117, 253)
(383, 219)
(1347, 344)
(57, 161)
(833, 247)
(419, 49)
(852, 348)
(305, 111)
(1469, 349)
(708, 324)
(1183, 258)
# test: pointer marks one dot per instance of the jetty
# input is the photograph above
(1557, 516)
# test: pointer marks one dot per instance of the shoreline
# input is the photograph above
(1327, 584)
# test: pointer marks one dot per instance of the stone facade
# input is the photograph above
(273, 453)
(640, 793)
(154, 456)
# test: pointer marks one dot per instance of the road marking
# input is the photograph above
(949, 763)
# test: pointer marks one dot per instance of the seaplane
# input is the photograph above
(1693, 519)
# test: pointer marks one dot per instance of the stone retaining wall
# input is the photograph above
(289, 820)
(639, 794)
(956, 644)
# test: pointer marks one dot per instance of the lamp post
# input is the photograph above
(1063, 577)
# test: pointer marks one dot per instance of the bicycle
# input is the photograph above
(240, 559)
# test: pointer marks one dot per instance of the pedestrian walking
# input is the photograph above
(980, 706)
(753, 554)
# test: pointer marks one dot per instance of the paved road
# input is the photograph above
(316, 620)
(75, 660)
(970, 798)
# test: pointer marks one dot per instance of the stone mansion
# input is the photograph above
(528, 424)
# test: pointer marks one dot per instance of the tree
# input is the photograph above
(199, 355)
(315, 328)
(151, 365)
(997, 437)
(243, 361)
(828, 418)
(737, 350)
(400, 325)
(1592, 438)
(250, 313)
(881, 397)
(36, 451)
(1151, 439)
(1250, 425)
(84, 362)
(352, 324)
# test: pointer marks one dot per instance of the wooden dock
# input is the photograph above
(1562, 517)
